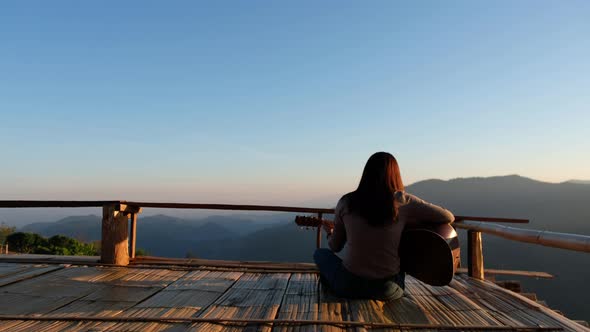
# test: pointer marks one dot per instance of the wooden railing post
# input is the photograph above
(132, 235)
(318, 239)
(115, 233)
(474, 255)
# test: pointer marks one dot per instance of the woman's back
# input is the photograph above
(370, 221)
(372, 251)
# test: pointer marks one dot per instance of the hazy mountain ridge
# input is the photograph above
(159, 234)
(579, 181)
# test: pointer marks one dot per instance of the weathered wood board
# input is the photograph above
(83, 293)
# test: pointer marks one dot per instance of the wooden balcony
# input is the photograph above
(120, 292)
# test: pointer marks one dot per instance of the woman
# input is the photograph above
(370, 221)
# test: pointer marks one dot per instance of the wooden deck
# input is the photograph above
(217, 296)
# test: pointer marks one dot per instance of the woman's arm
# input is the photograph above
(337, 239)
(417, 210)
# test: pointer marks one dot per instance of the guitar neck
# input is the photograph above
(312, 221)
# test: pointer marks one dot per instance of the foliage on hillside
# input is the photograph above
(5, 230)
(32, 243)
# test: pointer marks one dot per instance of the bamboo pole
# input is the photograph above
(300, 322)
(567, 241)
(133, 235)
(475, 255)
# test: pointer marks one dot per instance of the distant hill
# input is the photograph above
(282, 242)
(159, 234)
(579, 181)
(560, 207)
(84, 228)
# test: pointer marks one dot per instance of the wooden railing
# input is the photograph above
(119, 227)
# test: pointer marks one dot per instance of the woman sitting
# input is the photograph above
(370, 221)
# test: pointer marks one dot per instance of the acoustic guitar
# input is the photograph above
(428, 252)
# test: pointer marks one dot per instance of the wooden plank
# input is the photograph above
(369, 311)
(532, 274)
(449, 306)
(114, 247)
(7, 269)
(512, 308)
(116, 293)
(96, 308)
(186, 296)
(123, 289)
(48, 259)
(144, 277)
(474, 255)
(211, 281)
(159, 293)
(21, 304)
(93, 290)
(50, 287)
(228, 264)
(254, 295)
(300, 302)
(195, 290)
(332, 308)
(47, 326)
(404, 311)
(20, 272)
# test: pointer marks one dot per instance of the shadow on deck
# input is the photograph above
(41, 293)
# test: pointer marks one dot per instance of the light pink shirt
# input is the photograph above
(372, 251)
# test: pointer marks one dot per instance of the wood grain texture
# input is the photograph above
(254, 295)
(114, 241)
(475, 255)
(78, 298)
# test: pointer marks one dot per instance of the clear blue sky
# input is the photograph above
(276, 101)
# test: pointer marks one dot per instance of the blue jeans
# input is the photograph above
(345, 284)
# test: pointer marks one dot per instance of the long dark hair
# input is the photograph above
(374, 198)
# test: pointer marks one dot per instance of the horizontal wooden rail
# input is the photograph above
(230, 207)
(492, 219)
(54, 204)
(567, 241)
(197, 206)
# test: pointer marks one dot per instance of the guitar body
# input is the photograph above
(430, 253)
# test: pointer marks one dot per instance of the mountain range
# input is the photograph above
(560, 207)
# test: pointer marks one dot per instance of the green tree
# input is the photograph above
(5, 230)
(26, 242)
(141, 252)
(56, 245)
